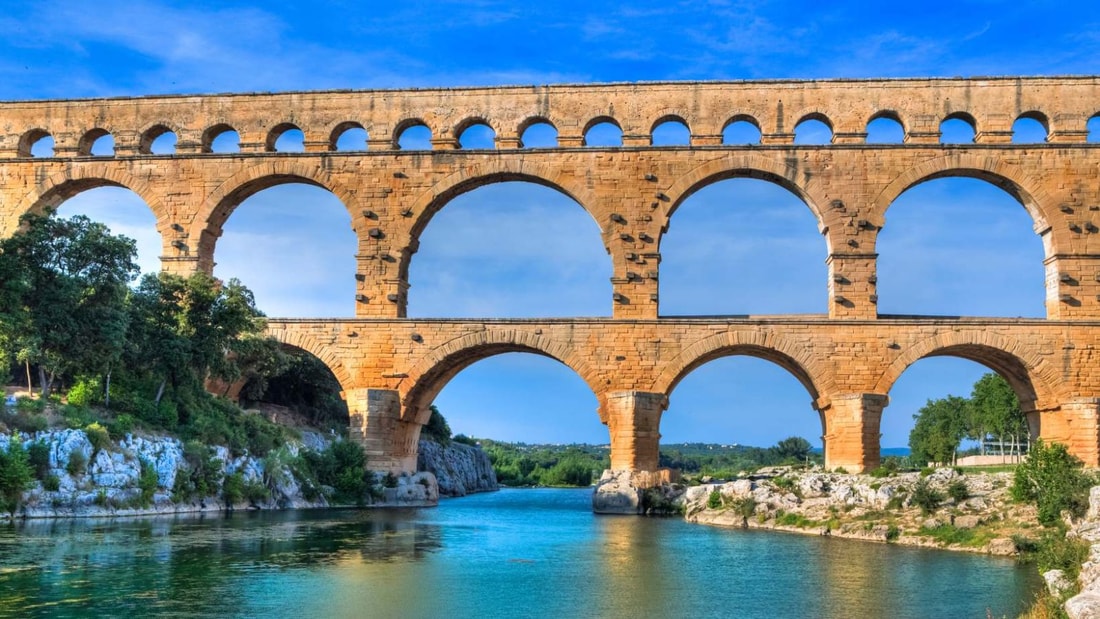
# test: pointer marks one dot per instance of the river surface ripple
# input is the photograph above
(514, 553)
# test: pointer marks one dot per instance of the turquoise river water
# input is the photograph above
(514, 553)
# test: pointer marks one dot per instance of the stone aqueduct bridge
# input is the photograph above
(392, 367)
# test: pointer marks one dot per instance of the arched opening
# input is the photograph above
(520, 397)
(348, 136)
(35, 143)
(741, 401)
(125, 213)
(741, 130)
(158, 140)
(97, 143)
(670, 131)
(603, 131)
(743, 246)
(414, 135)
(1030, 128)
(958, 128)
(221, 139)
(547, 257)
(538, 133)
(962, 398)
(1093, 127)
(960, 247)
(291, 243)
(477, 135)
(305, 393)
(286, 138)
(885, 128)
(814, 129)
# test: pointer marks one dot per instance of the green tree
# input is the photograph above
(63, 307)
(794, 448)
(16, 475)
(437, 428)
(994, 409)
(940, 428)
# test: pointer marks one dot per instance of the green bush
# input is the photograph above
(714, 501)
(256, 492)
(147, 483)
(958, 491)
(1051, 479)
(51, 483)
(880, 472)
(204, 474)
(77, 464)
(389, 480)
(744, 506)
(892, 533)
(233, 489)
(27, 405)
(97, 436)
(1057, 552)
(85, 392)
(38, 454)
(16, 474)
(121, 425)
(436, 429)
(926, 497)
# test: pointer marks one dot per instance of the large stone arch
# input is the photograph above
(220, 204)
(303, 341)
(1029, 374)
(799, 181)
(467, 179)
(791, 355)
(78, 178)
(433, 371)
(995, 170)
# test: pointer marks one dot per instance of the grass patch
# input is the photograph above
(949, 534)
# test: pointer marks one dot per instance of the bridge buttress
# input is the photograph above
(1076, 424)
(852, 432)
(375, 422)
(634, 419)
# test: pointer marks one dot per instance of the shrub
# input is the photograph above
(927, 498)
(436, 429)
(77, 464)
(147, 482)
(29, 405)
(101, 498)
(204, 475)
(390, 480)
(880, 472)
(893, 533)
(926, 471)
(16, 475)
(85, 392)
(97, 436)
(233, 489)
(896, 501)
(785, 483)
(1051, 478)
(958, 491)
(51, 483)
(38, 455)
(122, 425)
(714, 501)
(465, 440)
(744, 506)
(1057, 552)
(256, 492)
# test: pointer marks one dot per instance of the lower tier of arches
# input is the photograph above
(392, 370)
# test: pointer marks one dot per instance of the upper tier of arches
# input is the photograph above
(997, 110)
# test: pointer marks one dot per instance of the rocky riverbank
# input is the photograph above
(459, 469)
(946, 509)
(80, 480)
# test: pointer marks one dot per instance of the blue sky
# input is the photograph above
(711, 265)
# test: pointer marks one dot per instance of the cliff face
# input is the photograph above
(460, 469)
(107, 481)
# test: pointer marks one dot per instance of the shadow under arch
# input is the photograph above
(742, 165)
(58, 188)
(432, 373)
(466, 180)
(220, 204)
(1006, 176)
(1029, 375)
(285, 333)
